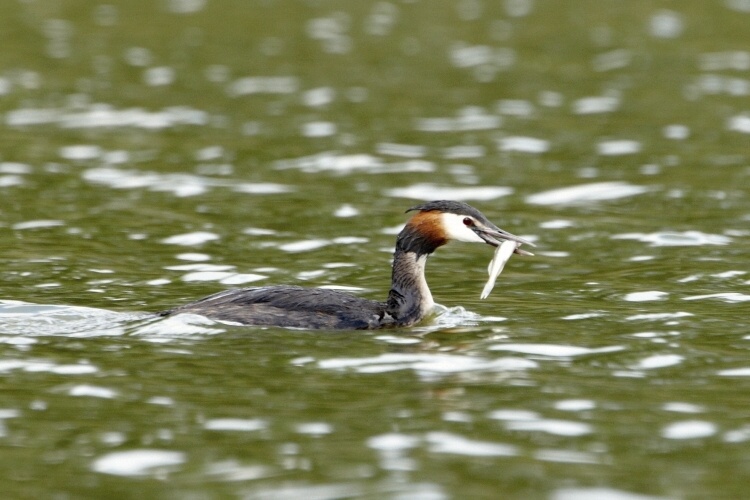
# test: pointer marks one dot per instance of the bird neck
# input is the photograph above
(409, 299)
(422, 235)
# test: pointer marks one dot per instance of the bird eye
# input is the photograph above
(468, 221)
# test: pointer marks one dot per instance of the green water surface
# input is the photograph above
(152, 153)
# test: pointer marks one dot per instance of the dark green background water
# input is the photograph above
(155, 152)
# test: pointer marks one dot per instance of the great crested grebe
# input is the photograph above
(409, 300)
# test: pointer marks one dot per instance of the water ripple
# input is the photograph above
(92, 391)
(181, 185)
(730, 297)
(586, 193)
(551, 426)
(675, 239)
(658, 316)
(444, 442)
(191, 239)
(345, 164)
(597, 104)
(107, 116)
(618, 147)
(37, 366)
(658, 361)
(37, 224)
(21, 318)
(402, 150)
(575, 405)
(554, 350)
(523, 144)
(568, 457)
(469, 120)
(142, 462)
(428, 191)
(235, 424)
(649, 296)
(599, 494)
(263, 85)
(689, 429)
(425, 363)
(739, 123)
(735, 372)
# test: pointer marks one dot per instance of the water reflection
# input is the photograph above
(675, 239)
(586, 193)
(139, 463)
(106, 116)
(432, 192)
(425, 364)
(139, 163)
(181, 185)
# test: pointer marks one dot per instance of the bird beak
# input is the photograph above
(493, 235)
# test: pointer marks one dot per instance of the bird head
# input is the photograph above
(438, 222)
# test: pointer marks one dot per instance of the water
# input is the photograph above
(155, 152)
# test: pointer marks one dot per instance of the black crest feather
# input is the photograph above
(451, 207)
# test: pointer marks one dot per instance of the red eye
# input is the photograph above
(468, 222)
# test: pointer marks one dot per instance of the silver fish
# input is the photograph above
(502, 255)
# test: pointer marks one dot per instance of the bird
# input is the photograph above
(409, 300)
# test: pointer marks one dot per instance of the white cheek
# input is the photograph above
(455, 229)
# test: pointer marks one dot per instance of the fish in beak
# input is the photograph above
(506, 244)
(493, 235)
